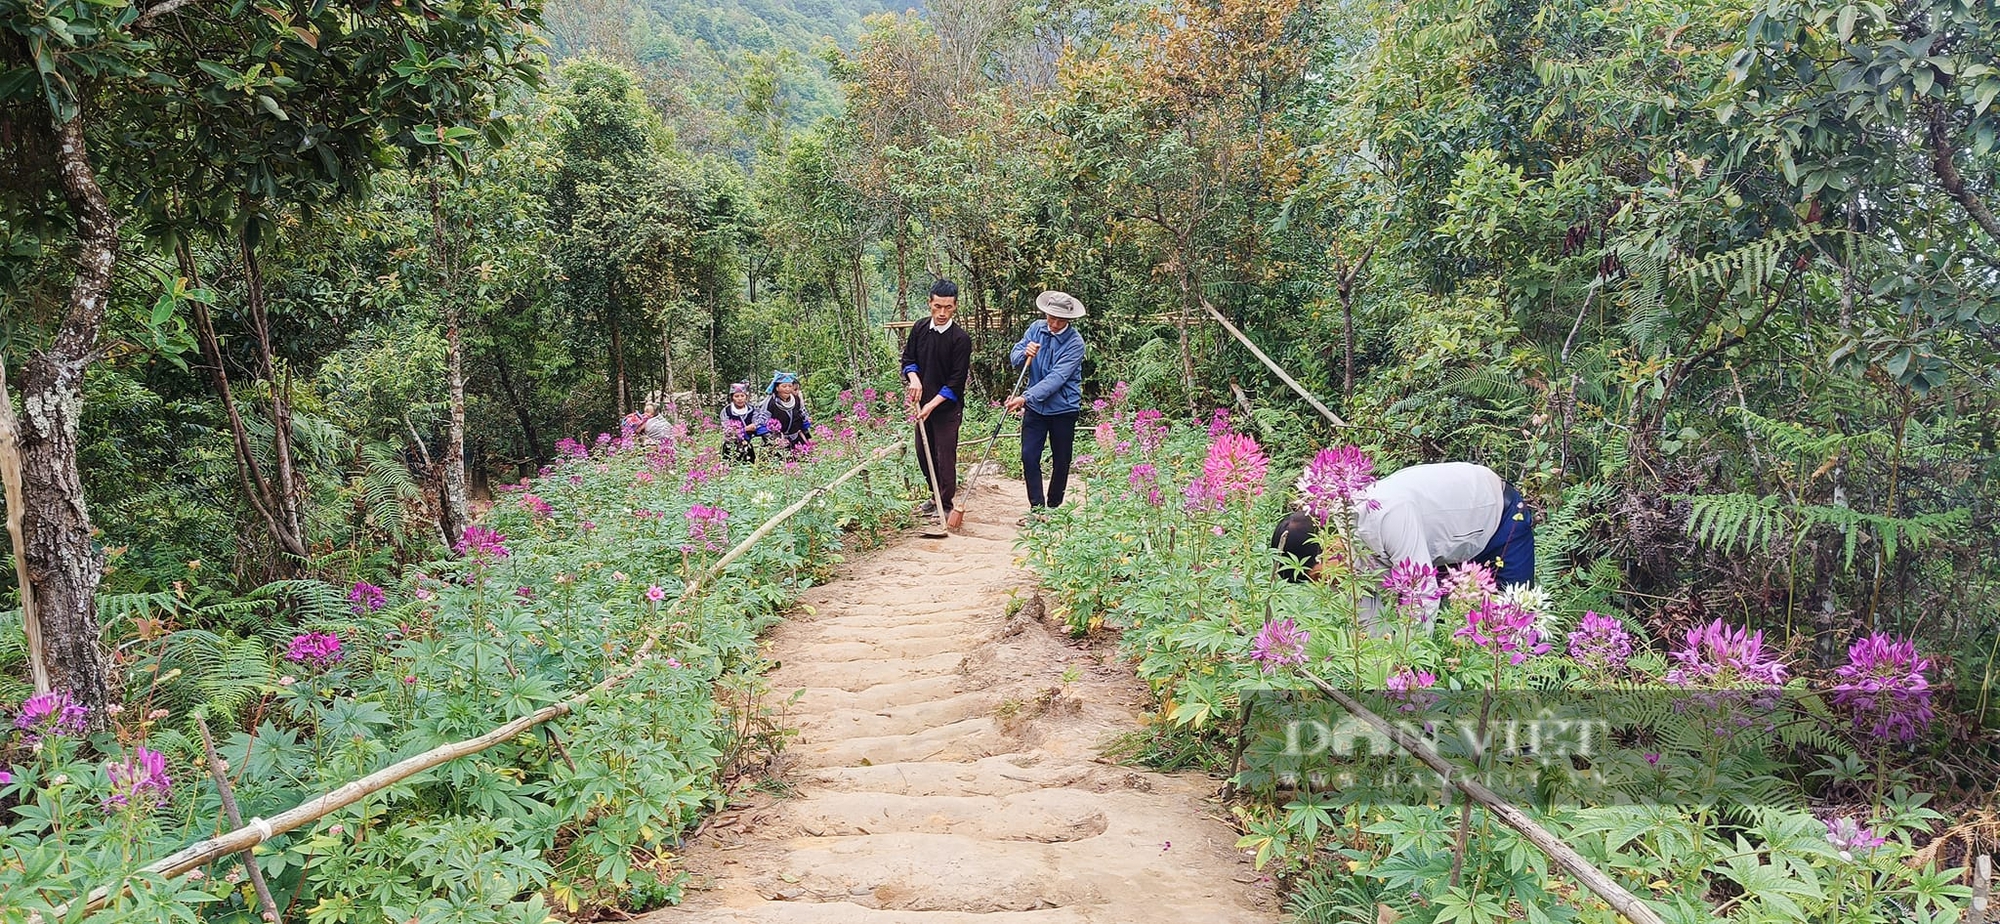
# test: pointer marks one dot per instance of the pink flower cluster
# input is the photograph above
(1886, 684)
(1149, 429)
(1145, 479)
(708, 526)
(317, 649)
(536, 506)
(1234, 469)
(1218, 423)
(55, 712)
(1280, 643)
(1600, 642)
(1504, 627)
(1470, 583)
(1850, 837)
(1334, 480)
(1407, 686)
(139, 781)
(482, 544)
(569, 448)
(1720, 655)
(366, 598)
(1415, 585)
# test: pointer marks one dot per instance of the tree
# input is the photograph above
(219, 117)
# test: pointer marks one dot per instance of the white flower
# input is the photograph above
(763, 498)
(1535, 600)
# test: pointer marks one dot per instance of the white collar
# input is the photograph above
(939, 330)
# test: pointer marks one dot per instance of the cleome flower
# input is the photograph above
(1334, 480)
(140, 781)
(316, 649)
(366, 598)
(1600, 642)
(1280, 643)
(55, 712)
(1886, 684)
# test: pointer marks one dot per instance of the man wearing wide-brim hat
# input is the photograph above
(1053, 351)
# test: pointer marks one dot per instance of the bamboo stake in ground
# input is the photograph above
(1565, 856)
(1273, 366)
(259, 830)
(220, 771)
(1982, 889)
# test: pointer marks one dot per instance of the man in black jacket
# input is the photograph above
(936, 361)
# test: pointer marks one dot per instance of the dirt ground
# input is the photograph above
(947, 771)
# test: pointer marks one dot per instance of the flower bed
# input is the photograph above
(564, 580)
(1709, 773)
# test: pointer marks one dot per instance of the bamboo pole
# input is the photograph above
(220, 771)
(10, 478)
(1980, 911)
(1565, 856)
(1272, 365)
(259, 830)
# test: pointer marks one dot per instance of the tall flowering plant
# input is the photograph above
(1886, 685)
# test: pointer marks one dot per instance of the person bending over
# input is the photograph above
(1442, 514)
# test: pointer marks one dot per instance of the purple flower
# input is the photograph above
(708, 526)
(1149, 429)
(366, 598)
(1415, 585)
(482, 545)
(1503, 627)
(1600, 642)
(1218, 423)
(1720, 655)
(1850, 837)
(318, 649)
(6, 778)
(1885, 683)
(1143, 476)
(55, 712)
(571, 448)
(1407, 685)
(139, 781)
(1120, 392)
(1279, 643)
(1334, 481)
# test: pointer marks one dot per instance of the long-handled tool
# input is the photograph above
(931, 529)
(957, 517)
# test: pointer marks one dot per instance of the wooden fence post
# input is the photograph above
(220, 771)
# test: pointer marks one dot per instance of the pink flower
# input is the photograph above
(1600, 642)
(1281, 642)
(482, 545)
(1406, 685)
(366, 598)
(55, 712)
(1722, 655)
(318, 649)
(655, 594)
(1235, 468)
(535, 505)
(1470, 583)
(1106, 434)
(1415, 585)
(1886, 685)
(708, 526)
(1218, 423)
(1503, 627)
(1149, 429)
(1334, 480)
(140, 781)
(1850, 837)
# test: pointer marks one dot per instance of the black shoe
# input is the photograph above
(929, 507)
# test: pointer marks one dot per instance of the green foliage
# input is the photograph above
(579, 817)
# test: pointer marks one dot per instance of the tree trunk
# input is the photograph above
(520, 407)
(63, 564)
(860, 318)
(902, 267)
(10, 479)
(454, 513)
(255, 488)
(285, 493)
(617, 368)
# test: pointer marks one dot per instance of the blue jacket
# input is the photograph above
(1055, 378)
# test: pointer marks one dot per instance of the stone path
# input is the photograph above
(946, 767)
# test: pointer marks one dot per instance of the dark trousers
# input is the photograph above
(942, 429)
(1059, 431)
(1511, 553)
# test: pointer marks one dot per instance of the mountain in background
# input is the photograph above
(729, 77)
